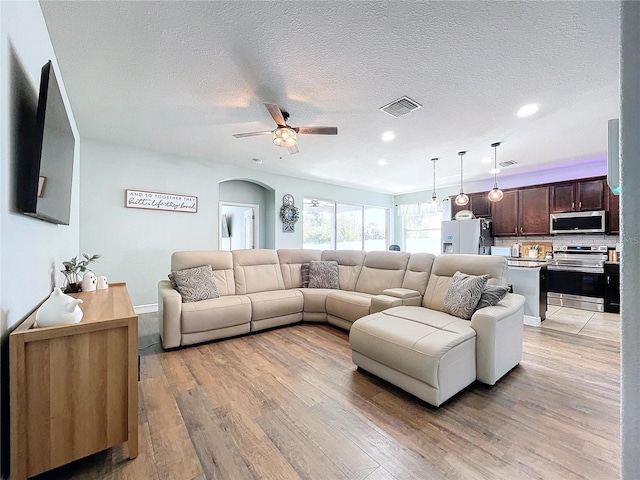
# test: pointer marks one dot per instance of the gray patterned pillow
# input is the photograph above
(173, 282)
(304, 271)
(491, 295)
(463, 294)
(195, 284)
(323, 274)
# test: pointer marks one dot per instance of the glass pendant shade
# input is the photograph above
(496, 194)
(462, 198)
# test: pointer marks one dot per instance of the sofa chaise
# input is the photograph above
(391, 302)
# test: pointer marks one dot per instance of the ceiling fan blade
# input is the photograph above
(251, 134)
(276, 114)
(293, 150)
(318, 130)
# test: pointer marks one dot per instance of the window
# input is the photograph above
(422, 233)
(329, 225)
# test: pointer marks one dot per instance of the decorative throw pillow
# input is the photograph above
(196, 284)
(323, 274)
(491, 295)
(173, 282)
(463, 294)
(304, 271)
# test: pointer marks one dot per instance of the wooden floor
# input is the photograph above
(289, 403)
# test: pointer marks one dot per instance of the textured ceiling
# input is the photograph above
(182, 77)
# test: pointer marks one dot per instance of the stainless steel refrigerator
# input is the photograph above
(467, 236)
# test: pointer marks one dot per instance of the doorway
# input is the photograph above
(239, 226)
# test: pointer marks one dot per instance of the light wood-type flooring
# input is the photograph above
(289, 403)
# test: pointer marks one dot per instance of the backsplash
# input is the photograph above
(594, 239)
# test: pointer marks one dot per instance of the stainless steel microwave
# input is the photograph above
(578, 222)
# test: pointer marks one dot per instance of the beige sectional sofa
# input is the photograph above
(390, 301)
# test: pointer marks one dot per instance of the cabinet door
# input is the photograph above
(505, 215)
(590, 195)
(533, 208)
(614, 213)
(563, 198)
(480, 204)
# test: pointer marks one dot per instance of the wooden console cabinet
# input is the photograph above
(74, 388)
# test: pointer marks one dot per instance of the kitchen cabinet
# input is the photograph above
(613, 222)
(612, 287)
(479, 204)
(522, 212)
(579, 196)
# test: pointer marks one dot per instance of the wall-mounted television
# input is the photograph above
(45, 176)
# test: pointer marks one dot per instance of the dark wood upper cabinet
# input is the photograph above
(480, 204)
(563, 198)
(505, 215)
(578, 196)
(590, 195)
(456, 208)
(533, 211)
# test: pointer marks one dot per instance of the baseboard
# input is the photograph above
(150, 308)
(532, 321)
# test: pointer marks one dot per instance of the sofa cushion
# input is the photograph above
(491, 295)
(349, 266)
(382, 270)
(275, 303)
(257, 271)
(221, 264)
(323, 274)
(349, 306)
(195, 284)
(304, 274)
(216, 313)
(291, 262)
(418, 272)
(463, 294)
(445, 266)
(315, 299)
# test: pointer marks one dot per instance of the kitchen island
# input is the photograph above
(528, 278)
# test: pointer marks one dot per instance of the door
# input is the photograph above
(614, 213)
(249, 229)
(480, 204)
(534, 211)
(572, 282)
(563, 198)
(590, 195)
(469, 236)
(505, 215)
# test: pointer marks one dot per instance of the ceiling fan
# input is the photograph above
(285, 135)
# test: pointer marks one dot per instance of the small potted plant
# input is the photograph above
(72, 270)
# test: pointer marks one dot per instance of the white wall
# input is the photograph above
(630, 235)
(31, 251)
(136, 245)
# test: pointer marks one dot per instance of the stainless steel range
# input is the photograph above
(575, 277)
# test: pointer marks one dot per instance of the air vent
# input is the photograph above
(401, 107)
(508, 163)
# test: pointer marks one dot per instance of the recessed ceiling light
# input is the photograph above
(493, 171)
(382, 162)
(528, 110)
(487, 160)
(388, 136)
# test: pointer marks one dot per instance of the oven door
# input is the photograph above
(583, 282)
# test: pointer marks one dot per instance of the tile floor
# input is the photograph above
(583, 322)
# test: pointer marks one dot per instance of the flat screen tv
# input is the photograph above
(45, 177)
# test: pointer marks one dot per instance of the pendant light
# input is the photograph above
(434, 198)
(462, 198)
(496, 194)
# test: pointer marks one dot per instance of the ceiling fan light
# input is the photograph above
(496, 194)
(284, 137)
(462, 199)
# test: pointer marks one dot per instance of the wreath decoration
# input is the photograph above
(289, 214)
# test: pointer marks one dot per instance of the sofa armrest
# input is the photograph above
(388, 300)
(169, 313)
(498, 337)
(401, 293)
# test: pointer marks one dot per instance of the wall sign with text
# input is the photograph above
(160, 201)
